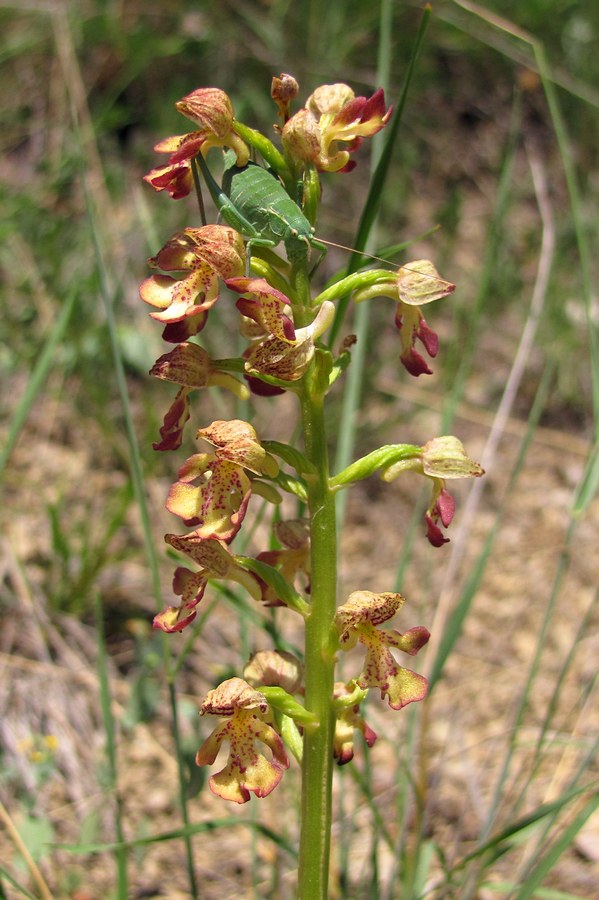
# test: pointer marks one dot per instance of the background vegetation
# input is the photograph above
(491, 788)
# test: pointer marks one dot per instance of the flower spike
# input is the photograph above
(282, 706)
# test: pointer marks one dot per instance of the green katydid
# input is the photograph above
(255, 203)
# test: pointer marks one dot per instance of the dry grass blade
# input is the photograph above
(27, 858)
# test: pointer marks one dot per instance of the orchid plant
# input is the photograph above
(281, 705)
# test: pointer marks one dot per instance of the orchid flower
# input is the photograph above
(247, 768)
(333, 115)
(293, 558)
(204, 255)
(356, 620)
(347, 722)
(213, 489)
(412, 286)
(211, 109)
(190, 366)
(440, 459)
(215, 562)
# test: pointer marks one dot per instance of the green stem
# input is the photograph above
(320, 648)
(350, 283)
(320, 635)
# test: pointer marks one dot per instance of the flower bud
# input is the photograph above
(328, 100)
(210, 108)
(302, 137)
(283, 90)
(274, 668)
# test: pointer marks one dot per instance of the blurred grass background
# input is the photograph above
(498, 145)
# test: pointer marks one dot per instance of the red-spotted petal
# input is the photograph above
(171, 432)
(218, 505)
(264, 305)
(247, 769)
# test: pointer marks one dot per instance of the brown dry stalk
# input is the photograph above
(29, 861)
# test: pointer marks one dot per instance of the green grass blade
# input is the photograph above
(37, 379)
(109, 730)
(536, 851)
(519, 715)
(188, 831)
(559, 684)
(454, 626)
(355, 376)
(108, 294)
(549, 859)
(589, 484)
(580, 230)
(23, 892)
(538, 60)
(379, 178)
(513, 829)
(462, 351)
(506, 888)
